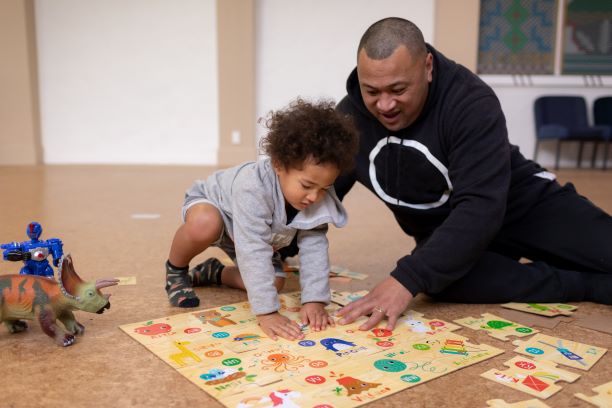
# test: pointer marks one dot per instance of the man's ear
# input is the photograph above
(429, 66)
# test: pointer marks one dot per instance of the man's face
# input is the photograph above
(394, 89)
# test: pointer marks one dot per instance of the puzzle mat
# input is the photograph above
(223, 351)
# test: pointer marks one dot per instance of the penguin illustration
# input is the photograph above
(336, 344)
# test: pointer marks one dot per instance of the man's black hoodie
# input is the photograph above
(451, 178)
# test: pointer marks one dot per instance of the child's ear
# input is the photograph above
(277, 166)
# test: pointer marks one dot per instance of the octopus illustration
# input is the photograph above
(284, 362)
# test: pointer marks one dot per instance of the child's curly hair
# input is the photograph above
(310, 131)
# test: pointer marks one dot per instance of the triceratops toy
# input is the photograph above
(29, 297)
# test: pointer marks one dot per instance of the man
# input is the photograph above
(434, 147)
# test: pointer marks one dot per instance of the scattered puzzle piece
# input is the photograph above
(560, 351)
(341, 271)
(496, 326)
(544, 309)
(532, 403)
(344, 298)
(127, 280)
(537, 378)
(603, 398)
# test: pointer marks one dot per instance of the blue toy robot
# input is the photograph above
(34, 253)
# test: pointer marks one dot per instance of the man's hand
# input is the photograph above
(388, 299)
(315, 315)
(275, 324)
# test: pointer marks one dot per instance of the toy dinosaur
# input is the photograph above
(29, 297)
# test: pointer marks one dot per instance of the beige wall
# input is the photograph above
(456, 35)
(456, 30)
(19, 115)
(236, 47)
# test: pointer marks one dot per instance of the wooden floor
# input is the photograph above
(91, 209)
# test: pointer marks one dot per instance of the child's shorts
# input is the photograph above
(225, 243)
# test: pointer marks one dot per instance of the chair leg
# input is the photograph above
(580, 146)
(535, 151)
(605, 159)
(594, 154)
(558, 153)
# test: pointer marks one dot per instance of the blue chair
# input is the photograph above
(602, 116)
(564, 119)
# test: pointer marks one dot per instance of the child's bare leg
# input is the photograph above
(202, 227)
(231, 277)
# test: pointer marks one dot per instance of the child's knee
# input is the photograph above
(203, 225)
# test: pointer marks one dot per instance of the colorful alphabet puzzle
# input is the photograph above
(532, 403)
(603, 398)
(223, 351)
(496, 326)
(560, 351)
(544, 309)
(537, 378)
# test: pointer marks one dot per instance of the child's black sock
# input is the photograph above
(178, 287)
(207, 273)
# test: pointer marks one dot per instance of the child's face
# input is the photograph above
(305, 186)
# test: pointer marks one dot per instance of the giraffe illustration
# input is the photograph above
(185, 353)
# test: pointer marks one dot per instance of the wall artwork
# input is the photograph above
(587, 38)
(517, 37)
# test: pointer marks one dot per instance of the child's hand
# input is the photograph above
(275, 324)
(315, 315)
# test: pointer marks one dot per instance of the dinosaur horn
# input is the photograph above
(104, 283)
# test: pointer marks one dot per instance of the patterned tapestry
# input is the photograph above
(517, 36)
(587, 36)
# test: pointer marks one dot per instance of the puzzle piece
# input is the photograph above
(544, 309)
(341, 271)
(496, 326)
(343, 298)
(416, 325)
(603, 398)
(126, 280)
(537, 378)
(223, 351)
(532, 403)
(560, 351)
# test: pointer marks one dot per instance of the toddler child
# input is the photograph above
(252, 210)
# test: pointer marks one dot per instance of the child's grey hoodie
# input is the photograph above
(252, 205)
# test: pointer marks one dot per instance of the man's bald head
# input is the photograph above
(383, 37)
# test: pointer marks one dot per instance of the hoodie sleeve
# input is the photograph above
(314, 264)
(476, 140)
(253, 214)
